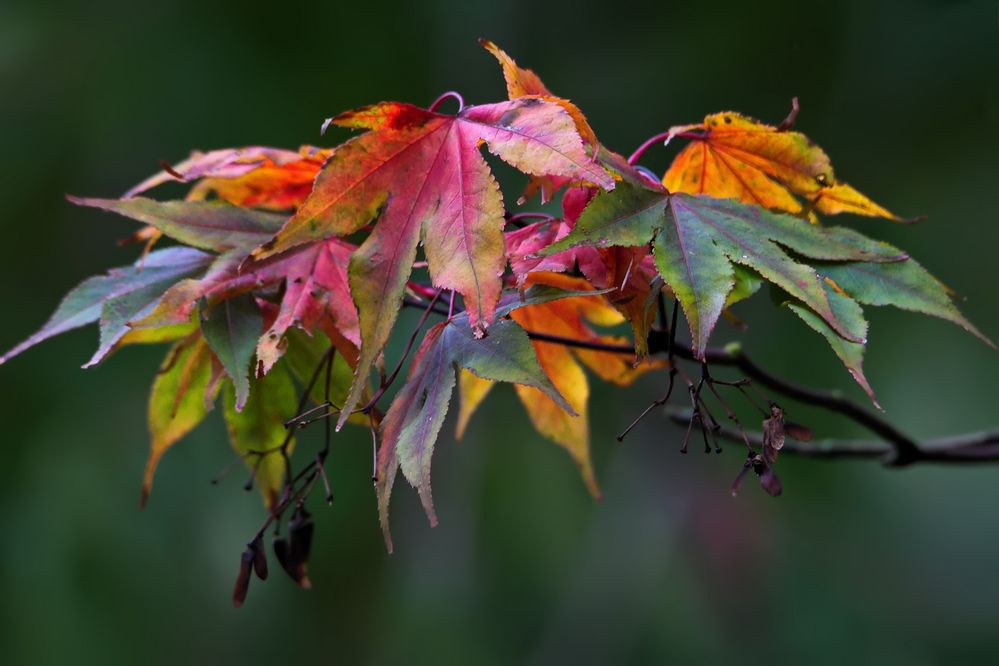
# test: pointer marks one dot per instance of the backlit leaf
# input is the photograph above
(226, 163)
(257, 432)
(732, 156)
(410, 428)
(231, 329)
(904, 284)
(422, 175)
(116, 298)
(255, 177)
(566, 318)
(316, 295)
(178, 401)
(209, 225)
(850, 353)
(304, 354)
(525, 83)
(696, 241)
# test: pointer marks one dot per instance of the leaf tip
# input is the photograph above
(344, 415)
(96, 358)
(590, 479)
(428, 505)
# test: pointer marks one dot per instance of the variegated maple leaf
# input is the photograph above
(421, 174)
(413, 422)
(698, 241)
(255, 176)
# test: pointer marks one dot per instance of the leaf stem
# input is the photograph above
(665, 138)
(409, 347)
(648, 143)
(516, 218)
(450, 94)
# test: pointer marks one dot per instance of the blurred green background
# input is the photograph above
(854, 562)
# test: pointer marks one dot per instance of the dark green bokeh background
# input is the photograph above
(854, 561)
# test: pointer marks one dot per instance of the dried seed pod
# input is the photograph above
(259, 558)
(763, 470)
(242, 585)
(293, 553)
(798, 431)
(737, 484)
(773, 433)
(281, 553)
(770, 482)
(300, 543)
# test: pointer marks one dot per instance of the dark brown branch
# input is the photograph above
(900, 449)
(971, 448)
(905, 448)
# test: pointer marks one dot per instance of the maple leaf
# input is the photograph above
(210, 225)
(114, 299)
(521, 83)
(698, 242)
(181, 397)
(522, 246)
(697, 239)
(269, 178)
(413, 421)
(316, 296)
(231, 329)
(411, 426)
(188, 384)
(284, 296)
(851, 354)
(254, 176)
(905, 285)
(732, 156)
(421, 173)
(257, 431)
(626, 273)
(303, 355)
(565, 318)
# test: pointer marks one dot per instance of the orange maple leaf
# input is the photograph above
(735, 157)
